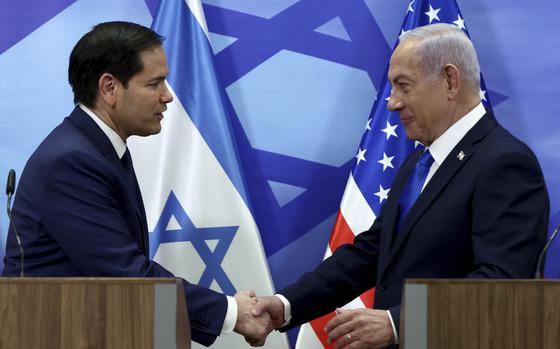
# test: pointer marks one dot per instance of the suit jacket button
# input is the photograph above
(383, 286)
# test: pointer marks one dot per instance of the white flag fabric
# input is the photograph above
(198, 214)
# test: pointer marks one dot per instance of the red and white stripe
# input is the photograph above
(354, 216)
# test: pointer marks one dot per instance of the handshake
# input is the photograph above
(257, 316)
(355, 328)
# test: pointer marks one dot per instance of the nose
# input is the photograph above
(166, 96)
(394, 103)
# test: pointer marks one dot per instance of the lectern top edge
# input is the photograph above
(480, 281)
(86, 280)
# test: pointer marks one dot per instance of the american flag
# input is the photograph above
(383, 148)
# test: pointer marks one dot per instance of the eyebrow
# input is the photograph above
(400, 77)
(158, 78)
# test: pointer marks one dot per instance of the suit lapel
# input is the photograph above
(90, 129)
(97, 137)
(456, 159)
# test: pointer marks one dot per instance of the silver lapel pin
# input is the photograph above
(461, 156)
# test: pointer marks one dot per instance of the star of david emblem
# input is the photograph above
(198, 237)
(258, 41)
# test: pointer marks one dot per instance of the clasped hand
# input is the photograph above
(257, 317)
(255, 329)
(350, 329)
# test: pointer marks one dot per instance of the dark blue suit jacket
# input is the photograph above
(78, 215)
(484, 216)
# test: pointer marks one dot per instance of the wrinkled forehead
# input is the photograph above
(404, 59)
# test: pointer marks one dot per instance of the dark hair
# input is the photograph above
(111, 47)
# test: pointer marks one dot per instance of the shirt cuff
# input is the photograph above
(394, 328)
(231, 316)
(287, 309)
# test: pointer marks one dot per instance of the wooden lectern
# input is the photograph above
(481, 314)
(93, 313)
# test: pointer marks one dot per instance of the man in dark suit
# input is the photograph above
(472, 204)
(78, 208)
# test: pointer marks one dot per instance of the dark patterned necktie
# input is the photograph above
(127, 163)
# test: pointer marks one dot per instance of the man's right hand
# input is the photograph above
(271, 305)
(255, 329)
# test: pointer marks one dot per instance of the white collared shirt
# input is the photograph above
(116, 140)
(120, 148)
(445, 143)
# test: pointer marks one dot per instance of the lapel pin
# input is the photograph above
(461, 156)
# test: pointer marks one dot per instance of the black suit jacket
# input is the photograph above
(482, 216)
(79, 215)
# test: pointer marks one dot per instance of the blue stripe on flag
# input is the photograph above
(193, 78)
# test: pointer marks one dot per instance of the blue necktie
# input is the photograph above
(414, 185)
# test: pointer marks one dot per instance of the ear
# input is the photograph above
(452, 77)
(107, 87)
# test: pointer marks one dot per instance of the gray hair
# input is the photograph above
(440, 44)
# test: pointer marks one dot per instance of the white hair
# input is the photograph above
(440, 44)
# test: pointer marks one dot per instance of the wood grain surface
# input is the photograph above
(490, 314)
(70, 313)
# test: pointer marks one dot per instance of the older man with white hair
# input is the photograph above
(471, 204)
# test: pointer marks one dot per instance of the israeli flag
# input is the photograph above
(201, 227)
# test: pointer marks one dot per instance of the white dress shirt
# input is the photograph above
(445, 143)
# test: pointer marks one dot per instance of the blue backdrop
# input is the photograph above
(300, 79)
